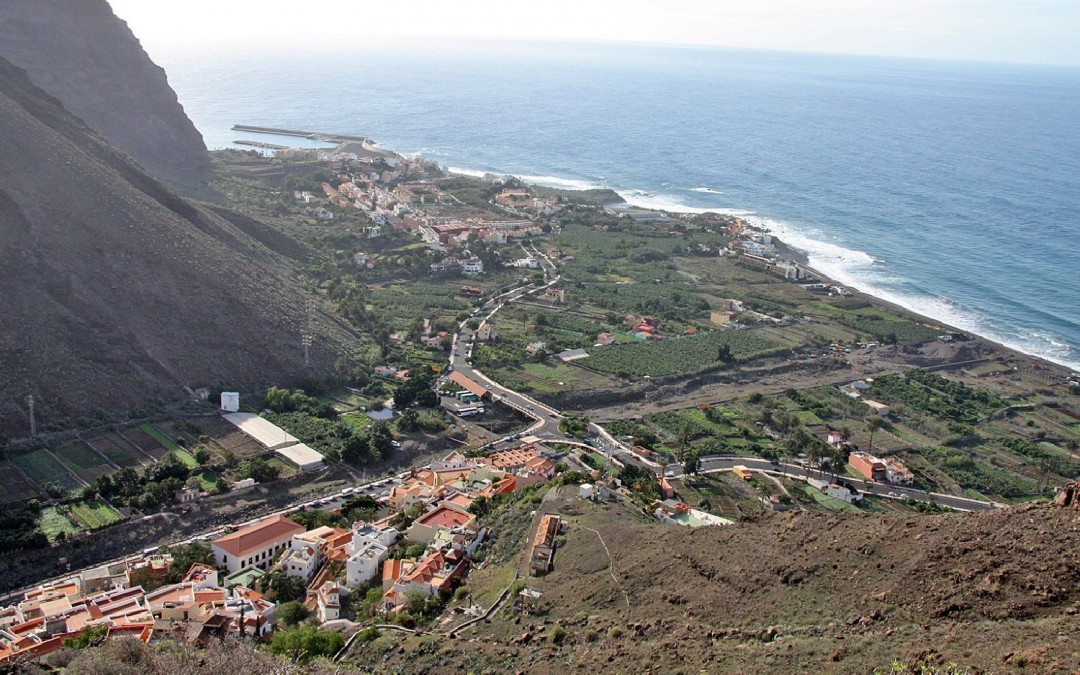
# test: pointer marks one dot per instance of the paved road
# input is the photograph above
(546, 419)
(725, 463)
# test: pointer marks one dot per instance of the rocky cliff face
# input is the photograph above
(82, 54)
(118, 292)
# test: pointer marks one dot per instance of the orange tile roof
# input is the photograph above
(545, 533)
(505, 485)
(460, 499)
(444, 516)
(258, 536)
(512, 457)
(391, 570)
(467, 384)
(424, 572)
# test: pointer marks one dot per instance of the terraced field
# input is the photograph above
(13, 487)
(117, 450)
(94, 515)
(42, 468)
(145, 442)
(82, 459)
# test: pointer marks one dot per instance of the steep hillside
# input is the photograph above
(80, 53)
(116, 290)
(795, 592)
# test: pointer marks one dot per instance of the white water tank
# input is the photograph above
(230, 401)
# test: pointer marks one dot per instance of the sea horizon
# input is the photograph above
(944, 187)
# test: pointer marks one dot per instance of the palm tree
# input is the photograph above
(872, 425)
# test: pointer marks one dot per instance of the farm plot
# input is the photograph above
(94, 515)
(145, 442)
(114, 447)
(224, 437)
(43, 468)
(163, 440)
(81, 458)
(684, 355)
(13, 487)
(53, 522)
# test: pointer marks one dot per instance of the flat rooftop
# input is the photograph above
(262, 430)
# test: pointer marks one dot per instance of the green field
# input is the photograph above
(682, 355)
(81, 459)
(95, 514)
(165, 441)
(207, 478)
(185, 458)
(52, 523)
(357, 420)
(42, 468)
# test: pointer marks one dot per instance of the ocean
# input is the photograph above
(949, 188)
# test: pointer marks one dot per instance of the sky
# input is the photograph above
(1011, 31)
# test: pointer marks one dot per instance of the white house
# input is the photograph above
(256, 545)
(367, 551)
(365, 564)
(329, 602)
(472, 266)
(302, 559)
(230, 401)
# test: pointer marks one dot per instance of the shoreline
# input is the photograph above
(799, 255)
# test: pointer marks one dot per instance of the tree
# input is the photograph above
(406, 423)
(427, 398)
(260, 470)
(285, 588)
(292, 613)
(691, 462)
(184, 556)
(202, 456)
(480, 507)
(873, 424)
(306, 642)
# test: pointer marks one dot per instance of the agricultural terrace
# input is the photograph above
(956, 438)
(145, 443)
(684, 355)
(14, 488)
(81, 458)
(552, 377)
(43, 467)
(120, 450)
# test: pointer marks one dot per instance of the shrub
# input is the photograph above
(556, 635)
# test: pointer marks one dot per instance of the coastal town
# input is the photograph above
(540, 335)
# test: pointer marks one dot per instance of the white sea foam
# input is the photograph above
(871, 275)
(662, 202)
(563, 183)
(706, 190)
(466, 172)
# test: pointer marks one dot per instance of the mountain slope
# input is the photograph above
(116, 290)
(80, 53)
(793, 592)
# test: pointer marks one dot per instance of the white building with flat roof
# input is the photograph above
(230, 401)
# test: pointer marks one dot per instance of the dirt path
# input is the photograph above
(611, 571)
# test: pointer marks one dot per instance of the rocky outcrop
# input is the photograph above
(1069, 496)
(82, 54)
(118, 292)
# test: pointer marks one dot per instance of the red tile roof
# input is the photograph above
(467, 384)
(444, 516)
(258, 536)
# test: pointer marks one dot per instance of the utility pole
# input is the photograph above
(33, 422)
(307, 337)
